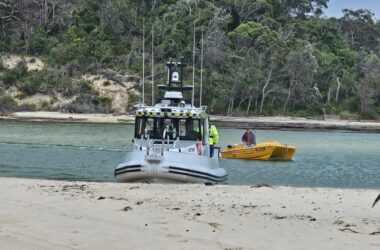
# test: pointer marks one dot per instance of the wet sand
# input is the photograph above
(44, 214)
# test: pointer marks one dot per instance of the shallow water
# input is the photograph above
(92, 151)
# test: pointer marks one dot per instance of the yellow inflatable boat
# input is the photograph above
(262, 151)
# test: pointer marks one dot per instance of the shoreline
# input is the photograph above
(47, 214)
(265, 123)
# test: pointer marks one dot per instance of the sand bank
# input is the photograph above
(36, 214)
(296, 123)
(278, 123)
(41, 116)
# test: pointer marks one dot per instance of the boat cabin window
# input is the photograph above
(184, 128)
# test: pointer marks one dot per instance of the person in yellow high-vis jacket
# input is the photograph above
(213, 139)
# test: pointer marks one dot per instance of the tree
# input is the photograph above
(359, 30)
(303, 8)
(269, 48)
(369, 85)
(301, 66)
(251, 10)
(7, 105)
(327, 76)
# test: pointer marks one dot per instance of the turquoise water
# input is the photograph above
(91, 152)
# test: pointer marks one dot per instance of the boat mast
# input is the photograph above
(152, 56)
(143, 65)
(200, 94)
(192, 94)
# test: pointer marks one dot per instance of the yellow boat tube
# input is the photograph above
(262, 151)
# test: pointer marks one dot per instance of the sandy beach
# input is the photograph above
(276, 122)
(44, 214)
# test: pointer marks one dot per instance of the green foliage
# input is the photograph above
(252, 34)
(45, 105)
(8, 78)
(30, 86)
(21, 96)
(2, 67)
(348, 115)
(58, 55)
(38, 41)
(21, 69)
(106, 103)
(84, 87)
(133, 99)
(27, 107)
(264, 57)
(7, 105)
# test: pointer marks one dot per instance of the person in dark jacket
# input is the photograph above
(249, 137)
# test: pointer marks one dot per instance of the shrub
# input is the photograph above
(370, 114)
(7, 105)
(84, 87)
(302, 113)
(21, 96)
(58, 55)
(9, 78)
(27, 107)
(45, 104)
(30, 87)
(2, 67)
(106, 102)
(133, 98)
(38, 41)
(348, 115)
(21, 69)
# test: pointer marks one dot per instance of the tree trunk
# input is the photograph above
(241, 101)
(328, 96)
(232, 104)
(290, 90)
(213, 102)
(264, 93)
(337, 90)
(249, 104)
(256, 100)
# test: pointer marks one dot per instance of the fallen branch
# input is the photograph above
(348, 229)
(376, 200)
(374, 233)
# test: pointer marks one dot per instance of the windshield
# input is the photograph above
(184, 128)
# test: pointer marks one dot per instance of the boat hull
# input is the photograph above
(171, 167)
(262, 151)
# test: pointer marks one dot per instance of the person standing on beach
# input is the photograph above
(249, 137)
(213, 139)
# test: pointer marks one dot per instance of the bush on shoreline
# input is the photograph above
(7, 105)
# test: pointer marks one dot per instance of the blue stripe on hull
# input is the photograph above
(126, 169)
(198, 172)
(198, 176)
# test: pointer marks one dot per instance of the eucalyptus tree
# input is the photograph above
(303, 8)
(301, 66)
(251, 10)
(270, 49)
(369, 85)
(359, 30)
(328, 75)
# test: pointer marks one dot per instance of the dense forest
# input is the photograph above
(261, 57)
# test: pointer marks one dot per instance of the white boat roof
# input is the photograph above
(173, 95)
(164, 109)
